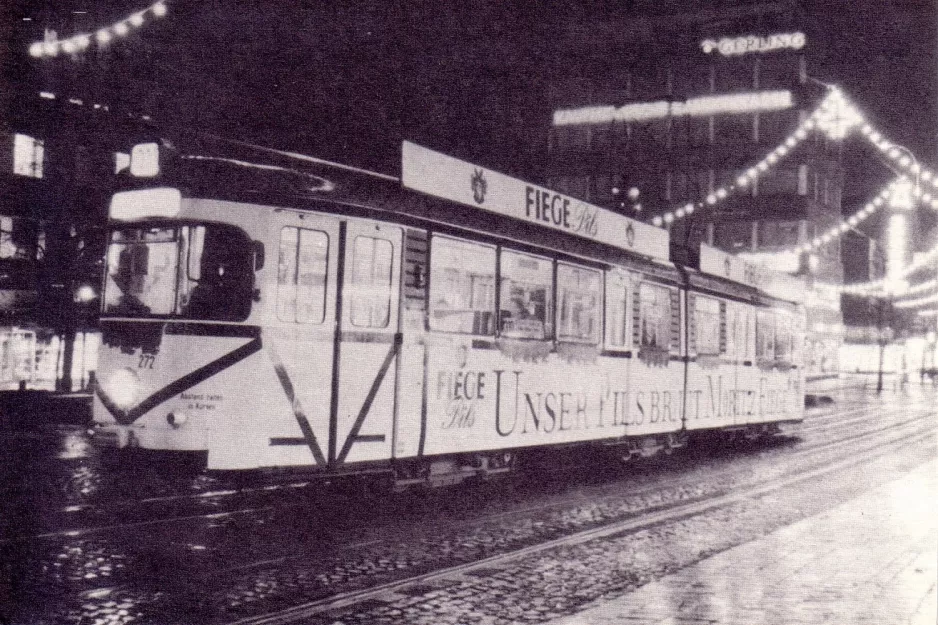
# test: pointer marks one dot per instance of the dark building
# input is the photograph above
(667, 102)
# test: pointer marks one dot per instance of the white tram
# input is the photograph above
(312, 316)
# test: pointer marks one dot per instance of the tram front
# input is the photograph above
(175, 321)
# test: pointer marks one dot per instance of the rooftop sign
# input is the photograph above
(446, 177)
(730, 103)
(737, 46)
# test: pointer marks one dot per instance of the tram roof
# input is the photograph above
(473, 198)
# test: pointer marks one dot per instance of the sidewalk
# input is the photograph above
(872, 560)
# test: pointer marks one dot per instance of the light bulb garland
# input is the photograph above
(915, 303)
(79, 43)
(904, 160)
(834, 116)
(853, 221)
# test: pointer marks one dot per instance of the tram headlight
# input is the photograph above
(176, 418)
(122, 387)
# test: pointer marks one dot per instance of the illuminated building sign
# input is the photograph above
(446, 177)
(694, 107)
(735, 46)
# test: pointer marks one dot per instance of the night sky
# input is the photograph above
(349, 79)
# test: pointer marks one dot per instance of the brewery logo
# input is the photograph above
(479, 186)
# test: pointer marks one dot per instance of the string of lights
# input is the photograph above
(834, 116)
(915, 303)
(79, 43)
(853, 221)
(904, 160)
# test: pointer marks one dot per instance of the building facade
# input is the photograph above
(664, 103)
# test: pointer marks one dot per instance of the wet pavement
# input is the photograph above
(873, 559)
(85, 543)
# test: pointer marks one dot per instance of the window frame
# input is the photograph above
(698, 298)
(627, 332)
(352, 288)
(670, 346)
(296, 276)
(433, 279)
(550, 313)
(598, 333)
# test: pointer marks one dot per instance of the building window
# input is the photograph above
(28, 156)
(462, 286)
(526, 296)
(301, 275)
(579, 293)
(780, 180)
(733, 236)
(778, 233)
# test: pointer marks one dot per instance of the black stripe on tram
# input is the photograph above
(308, 436)
(337, 342)
(369, 399)
(230, 330)
(126, 417)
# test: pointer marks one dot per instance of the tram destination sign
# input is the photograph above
(446, 177)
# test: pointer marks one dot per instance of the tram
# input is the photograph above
(271, 312)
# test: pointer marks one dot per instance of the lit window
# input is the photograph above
(462, 286)
(765, 335)
(783, 338)
(654, 317)
(301, 275)
(28, 155)
(579, 294)
(370, 290)
(707, 325)
(526, 296)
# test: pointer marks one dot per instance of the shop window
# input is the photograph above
(526, 296)
(28, 156)
(579, 293)
(301, 275)
(462, 286)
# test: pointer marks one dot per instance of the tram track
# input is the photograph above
(79, 531)
(905, 431)
(652, 518)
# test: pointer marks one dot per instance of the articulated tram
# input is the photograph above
(274, 312)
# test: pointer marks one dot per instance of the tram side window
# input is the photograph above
(579, 294)
(707, 325)
(301, 275)
(526, 296)
(765, 335)
(370, 291)
(783, 338)
(654, 316)
(462, 286)
(617, 310)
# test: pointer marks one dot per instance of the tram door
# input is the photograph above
(369, 343)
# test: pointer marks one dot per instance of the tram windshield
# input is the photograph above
(195, 271)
